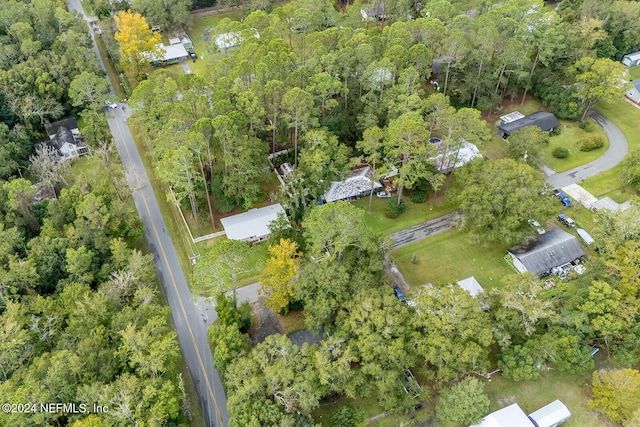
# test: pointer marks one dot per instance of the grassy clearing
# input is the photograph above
(292, 322)
(569, 137)
(415, 213)
(573, 390)
(448, 257)
(495, 149)
(634, 73)
(368, 406)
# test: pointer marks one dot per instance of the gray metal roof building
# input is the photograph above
(545, 121)
(554, 248)
(253, 225)
(552, 415)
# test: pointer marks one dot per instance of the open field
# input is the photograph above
(448, 257)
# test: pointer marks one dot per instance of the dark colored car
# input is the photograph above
(399, 293)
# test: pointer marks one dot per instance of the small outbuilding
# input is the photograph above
(555, 248)
(552, 415)
(547, 122)
(631, 59)
(633, 94)
(454, 156)
(471, 285)
(509, 416)
(253, 225)
(609, 204)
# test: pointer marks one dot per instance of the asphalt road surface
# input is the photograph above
(191, 317)
(618, 148)
(424, 230)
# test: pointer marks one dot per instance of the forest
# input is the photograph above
(81, 319)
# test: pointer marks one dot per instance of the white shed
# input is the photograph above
(253, 225)
(552, 415)
(509, 416)
(632, 59)
(471, 285)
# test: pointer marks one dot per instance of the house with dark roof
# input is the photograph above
(633, 94)
(545, 121)
(64, 139)
(553, 249)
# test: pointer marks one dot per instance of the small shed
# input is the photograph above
(509, 416)
(609, 204)
(586, 237)
(471, 285)
(631, 59)
(552, 249)
(552, 415)
(454, 156)
(253, 225)
(547, 122)
(633, 94)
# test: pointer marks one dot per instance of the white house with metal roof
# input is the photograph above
(357, 184)
(253, 225)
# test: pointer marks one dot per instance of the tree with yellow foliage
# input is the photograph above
(138, 43)
(278, 274)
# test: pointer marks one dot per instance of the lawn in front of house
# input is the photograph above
(634, 72)
(570, 135)
(572, 390)
(415, 213)
(627, 118)
(448, 257)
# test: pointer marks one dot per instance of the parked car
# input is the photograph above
(383, 195)
(434, 140)
(563, 198)
(399, 293)
(111, 105)
(535, 224)
(566, 220)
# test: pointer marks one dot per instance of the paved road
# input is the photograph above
(618, 148)
(190, 315)
(424, 230)
(76, 6)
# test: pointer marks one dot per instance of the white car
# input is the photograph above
(111, 105)
(383, 195)
(535, 224)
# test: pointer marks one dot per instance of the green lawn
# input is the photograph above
(415, 213)
(627, 118)
(634, 73)
(570, 135)
(495, 149)
(448, 257)
(572, 390)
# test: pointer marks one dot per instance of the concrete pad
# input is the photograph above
(580, 195)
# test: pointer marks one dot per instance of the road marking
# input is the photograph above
(175, 287)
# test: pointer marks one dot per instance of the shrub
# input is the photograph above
(419, 195)
(463, 403)
(586, 125)
(556, 131)
(560, 153)
(591, 143)
(394, 209)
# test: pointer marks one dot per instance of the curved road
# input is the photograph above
(618, 148)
